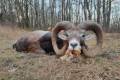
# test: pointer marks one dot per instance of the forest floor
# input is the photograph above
(21, 66)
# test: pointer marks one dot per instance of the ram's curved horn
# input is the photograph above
(64, 25)
(96, 28)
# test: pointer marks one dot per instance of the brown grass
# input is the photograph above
(21, 66)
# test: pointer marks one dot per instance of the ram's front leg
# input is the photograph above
(68, 55)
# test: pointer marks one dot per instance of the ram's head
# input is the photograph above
(74, 40)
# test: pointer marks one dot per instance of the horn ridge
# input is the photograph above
(97, 29)
(63, 25)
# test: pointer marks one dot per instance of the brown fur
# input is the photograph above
(29, 42)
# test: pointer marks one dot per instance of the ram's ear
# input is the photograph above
(63, 35)
(89, 37)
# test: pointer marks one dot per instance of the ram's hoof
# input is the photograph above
(66, 58)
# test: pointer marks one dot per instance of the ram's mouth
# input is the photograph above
(70, 54)
(74, 53)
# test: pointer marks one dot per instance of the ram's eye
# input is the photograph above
(83, 35)
(63, 35)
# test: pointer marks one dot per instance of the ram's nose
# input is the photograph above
(74, 45)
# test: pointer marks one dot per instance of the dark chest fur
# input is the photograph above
(46, 43)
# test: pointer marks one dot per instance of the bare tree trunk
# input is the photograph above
(88, 9)
(42, 11)
(63, 9)
(109, 13)
(36, 8)
(26, 14)
(98, 10)
(104, 14)
(85, 9)
(53, 3)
